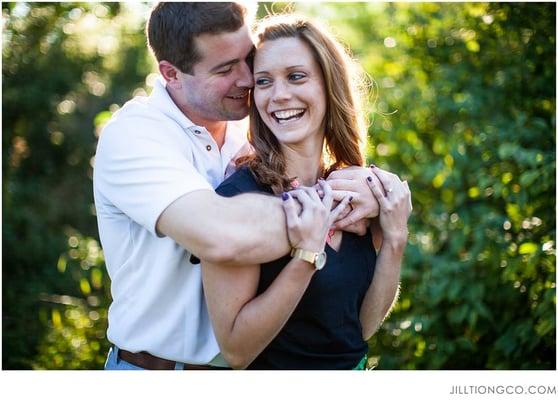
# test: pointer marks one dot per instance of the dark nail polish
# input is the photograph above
(350, 199)
(285, 196)
(369, 178)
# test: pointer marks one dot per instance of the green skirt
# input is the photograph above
(362, 364)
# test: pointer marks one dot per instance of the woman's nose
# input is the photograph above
(280, 91)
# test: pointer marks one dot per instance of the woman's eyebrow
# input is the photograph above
(290, 67)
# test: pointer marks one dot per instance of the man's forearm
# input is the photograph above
(249, 228)
(256, 226)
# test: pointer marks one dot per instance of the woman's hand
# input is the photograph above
(308, 229)
(394, 199)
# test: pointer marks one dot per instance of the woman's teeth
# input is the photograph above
(287, 115)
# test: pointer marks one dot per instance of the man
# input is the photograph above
(157, 163)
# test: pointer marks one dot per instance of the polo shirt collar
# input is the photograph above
(161, 100)
(235, 137)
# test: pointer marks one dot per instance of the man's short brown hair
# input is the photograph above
(172, 28)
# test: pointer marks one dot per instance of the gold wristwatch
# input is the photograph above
(316, 259)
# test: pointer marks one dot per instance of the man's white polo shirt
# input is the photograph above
(149, 155)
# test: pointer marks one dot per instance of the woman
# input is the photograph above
(292, 313)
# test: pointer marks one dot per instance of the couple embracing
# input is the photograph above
(246, 243)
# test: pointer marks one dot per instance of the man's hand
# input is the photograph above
(359, 228)
(351, 181)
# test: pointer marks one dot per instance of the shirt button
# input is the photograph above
(197, 131)
(208, 147)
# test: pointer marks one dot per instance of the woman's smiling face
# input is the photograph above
(289, 90)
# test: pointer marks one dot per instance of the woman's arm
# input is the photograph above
(245, 324)
(382, 293)
(389, 232)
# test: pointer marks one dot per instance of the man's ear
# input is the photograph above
(170, 73)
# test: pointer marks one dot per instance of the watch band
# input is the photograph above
(305, 255)
(318, 260)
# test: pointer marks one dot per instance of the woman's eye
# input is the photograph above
(262, 81)
(296, 76)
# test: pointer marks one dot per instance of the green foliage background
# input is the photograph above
(465, 111)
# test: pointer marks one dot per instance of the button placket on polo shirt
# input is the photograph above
(207, 141)
(211, 153)
(203, 134)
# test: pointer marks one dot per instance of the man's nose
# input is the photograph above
(245, 79)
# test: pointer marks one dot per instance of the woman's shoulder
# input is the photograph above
(241, 181)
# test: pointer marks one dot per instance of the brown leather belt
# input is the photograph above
(149, 361)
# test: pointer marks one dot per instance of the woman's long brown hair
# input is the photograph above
(345, 123)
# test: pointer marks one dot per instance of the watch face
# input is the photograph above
(320, 260)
